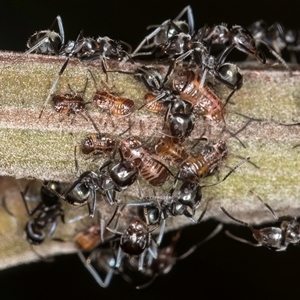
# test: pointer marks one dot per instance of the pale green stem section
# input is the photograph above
(44, 148)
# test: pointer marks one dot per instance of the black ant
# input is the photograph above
(273, 238)
(103, 48)
(180, 120)
(45, 214)
(155, 210)
(85, 187)
(47, 41)
(136, 240)
(167, 29)
(277, 39)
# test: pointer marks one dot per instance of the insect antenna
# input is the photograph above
(228, 174)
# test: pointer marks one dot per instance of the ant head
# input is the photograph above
(124, 174)
(190, 194)
(292, 231)
(110, 48)
(245, 42)
(269, 237)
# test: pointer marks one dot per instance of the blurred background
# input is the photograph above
(220, 267)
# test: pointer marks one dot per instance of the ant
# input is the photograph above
(158, 99)
(180, 120)
(276, 38)
(136, 239)
(119, 178)
(156, 210)
(166, 258)
(47, 41)
(236, 37)
(87, 49)
(167, 29)
(103, 48)
(44, 214)
(273, 238)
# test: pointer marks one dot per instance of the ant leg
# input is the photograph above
(241, 240)
(161, 232)
(188, 10)
(146, 39)
(87, 263)
(92, 208)
(232, 218)
(61, 29)
(120, 256)
(30, 213)
(141, 261)
(193, 248)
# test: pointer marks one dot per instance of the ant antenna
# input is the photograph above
(228, 174)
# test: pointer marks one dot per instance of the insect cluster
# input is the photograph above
(175, 161)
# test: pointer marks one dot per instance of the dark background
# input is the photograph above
(222, 267)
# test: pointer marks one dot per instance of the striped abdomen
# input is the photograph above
(166, 147)
(118, 106)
